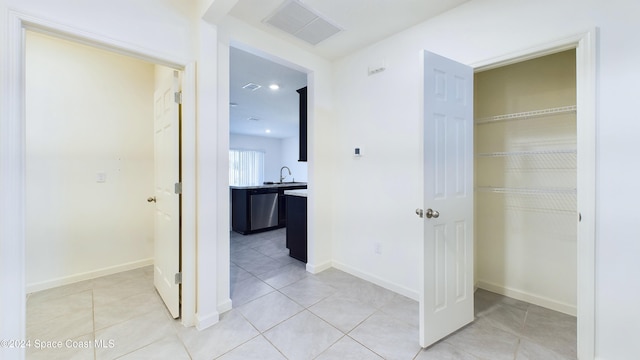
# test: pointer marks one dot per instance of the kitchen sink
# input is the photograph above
(283, 183)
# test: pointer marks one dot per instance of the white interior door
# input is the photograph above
(446, 299)
(167, 207)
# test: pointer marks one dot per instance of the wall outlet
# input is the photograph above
(101, 177)
(377, 248)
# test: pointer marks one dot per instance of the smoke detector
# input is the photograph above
(294, 18)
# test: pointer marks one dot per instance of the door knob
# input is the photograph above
(432, 214)
(419, 212)
(151, 199)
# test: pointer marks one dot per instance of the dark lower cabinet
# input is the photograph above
(297, 227)
(260, 208)
(254, 210)
(282, 208)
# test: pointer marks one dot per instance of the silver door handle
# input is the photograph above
(420, 213)
(432, 214)
(151, 199)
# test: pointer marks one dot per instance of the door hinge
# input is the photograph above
(178, 97)
(178, 188)
(178, 278)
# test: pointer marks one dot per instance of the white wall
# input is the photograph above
(381, 114)
(212, 187)
(164, 27)
(88, 112)
(290, 155)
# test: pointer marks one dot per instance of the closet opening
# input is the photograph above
(525, 158)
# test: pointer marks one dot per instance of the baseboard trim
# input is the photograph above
(528, 297)
(48, 284)
(203, 322)
(378, 281)
(225, 306)
(314, 269)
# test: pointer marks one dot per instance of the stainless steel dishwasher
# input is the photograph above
(264, 208)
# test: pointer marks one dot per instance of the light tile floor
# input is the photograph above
(281, 312)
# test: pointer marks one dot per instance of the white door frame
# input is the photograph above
(586, 45)
(13, 175)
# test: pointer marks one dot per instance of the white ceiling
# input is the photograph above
(276, 110)
(363, 22)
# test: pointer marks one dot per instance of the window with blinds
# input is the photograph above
(246, 167)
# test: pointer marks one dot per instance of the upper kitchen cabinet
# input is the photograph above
(303, 124)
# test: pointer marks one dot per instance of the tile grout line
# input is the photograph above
(418, 353)
(305, 308)
(330, 346)
(361, 344)
(526, 315)
(517, 349)
(378, 309)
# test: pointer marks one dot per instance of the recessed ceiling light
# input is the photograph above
(274, 86)
(268, 131)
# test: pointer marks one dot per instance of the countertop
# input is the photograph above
(270, 185)
(299, 192)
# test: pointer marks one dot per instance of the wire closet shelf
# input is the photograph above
(524, 162)
(528, 114)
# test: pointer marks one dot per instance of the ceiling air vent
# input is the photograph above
(296, 19)
(252, 86)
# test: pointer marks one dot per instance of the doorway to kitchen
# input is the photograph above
(265, 161)
(264, 120)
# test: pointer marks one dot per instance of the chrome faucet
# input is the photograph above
(282, 168)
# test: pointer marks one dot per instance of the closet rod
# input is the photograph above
(525, 153)
(527, 191)
(528, 114)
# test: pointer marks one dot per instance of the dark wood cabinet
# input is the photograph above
(303, 124)
(297, 227)
(282, 208)
(254, 210)
(262, 208)
(239, 211)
